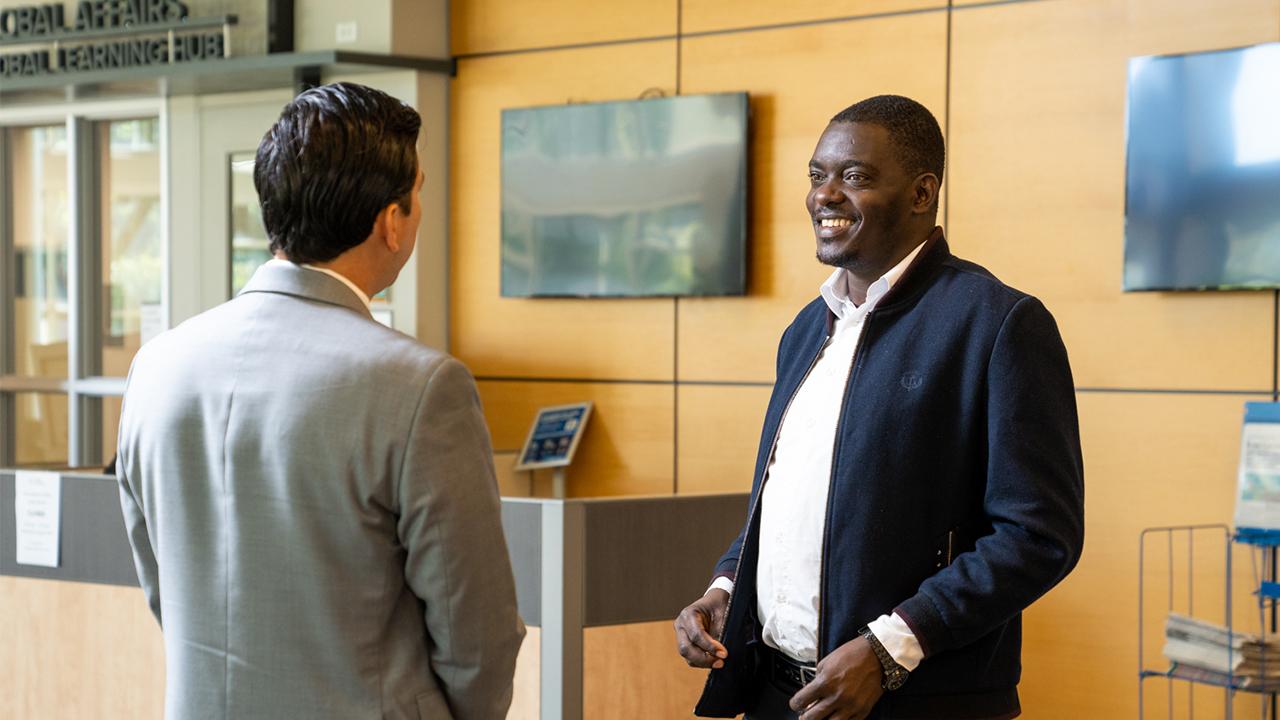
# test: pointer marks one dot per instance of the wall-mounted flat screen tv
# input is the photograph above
(642, 198)
(1202, 192)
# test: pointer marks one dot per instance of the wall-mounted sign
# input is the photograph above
(554, 436)
(107, 35)
(1258, 484)
(37, 510)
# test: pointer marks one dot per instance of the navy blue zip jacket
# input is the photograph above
(957, 488)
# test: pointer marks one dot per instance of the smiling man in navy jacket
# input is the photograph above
(919, 480)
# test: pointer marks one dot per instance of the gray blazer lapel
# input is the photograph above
(301, 282)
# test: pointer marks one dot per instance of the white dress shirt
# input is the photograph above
(794, 502)
(331, 273)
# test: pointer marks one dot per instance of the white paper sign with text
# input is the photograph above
(37, 510)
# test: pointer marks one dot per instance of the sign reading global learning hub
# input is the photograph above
(106, 35)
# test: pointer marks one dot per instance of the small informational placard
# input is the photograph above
(1258, 496)
(554, 436)
(37, 511)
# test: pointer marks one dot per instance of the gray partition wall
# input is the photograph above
(617, 561)
(646, 558)
(522, 524)
(578, 563)
(93, 547)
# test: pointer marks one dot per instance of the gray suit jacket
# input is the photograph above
(314, 516)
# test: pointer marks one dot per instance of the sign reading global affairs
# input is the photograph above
(148, 33)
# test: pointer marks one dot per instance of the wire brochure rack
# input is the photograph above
(1178, 548)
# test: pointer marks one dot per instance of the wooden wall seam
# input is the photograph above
(619, 381)
(946, 117)
(838, 20)
(713, 33)
(675, 301)
(947, 6)
(675, 371)
(1166, 391)
(568, 46)
(757, 384)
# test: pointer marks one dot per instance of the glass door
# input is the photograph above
(81, 281)
(131, 262)
(34, 221)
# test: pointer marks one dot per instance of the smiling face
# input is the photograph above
(868, 210)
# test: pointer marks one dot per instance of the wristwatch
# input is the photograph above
(894, 674)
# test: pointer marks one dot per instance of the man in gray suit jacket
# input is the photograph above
(310, 495)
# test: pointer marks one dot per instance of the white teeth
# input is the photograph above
(836, 222)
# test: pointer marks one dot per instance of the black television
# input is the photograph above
(638, 198)
(1202, 185)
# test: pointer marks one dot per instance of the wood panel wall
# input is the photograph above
(1031, 94)
(78, 650)
(628, 674)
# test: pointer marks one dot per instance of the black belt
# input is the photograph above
(789, 675)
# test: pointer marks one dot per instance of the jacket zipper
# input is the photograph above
(751, 515)
(831, 481)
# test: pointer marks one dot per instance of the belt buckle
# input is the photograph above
(794, 673)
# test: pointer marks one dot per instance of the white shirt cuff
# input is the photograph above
(724, 584)
(897, 638)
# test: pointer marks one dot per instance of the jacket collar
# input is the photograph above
(917, 276)
(301, 282)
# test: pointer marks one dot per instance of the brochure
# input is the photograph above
(1258, 490)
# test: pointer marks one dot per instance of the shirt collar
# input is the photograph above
(835, 291)
(331, 273)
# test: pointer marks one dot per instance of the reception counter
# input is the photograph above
(598, 582)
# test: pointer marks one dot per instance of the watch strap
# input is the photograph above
(894, 675)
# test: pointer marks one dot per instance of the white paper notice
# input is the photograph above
(1258, 499)
(38, 512)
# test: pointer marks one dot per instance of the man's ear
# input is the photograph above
(925, 193)
(387, 223)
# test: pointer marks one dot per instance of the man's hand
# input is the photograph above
(697, 628)
(846, 687)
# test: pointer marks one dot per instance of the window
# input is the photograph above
(41, 429)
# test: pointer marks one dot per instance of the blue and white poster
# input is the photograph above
(554, 436)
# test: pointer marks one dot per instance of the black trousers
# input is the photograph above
(771, 704)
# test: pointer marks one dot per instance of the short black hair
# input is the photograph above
(337, 156)
(913, 129)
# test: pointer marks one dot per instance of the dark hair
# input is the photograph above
(913, 129)
(337, 156)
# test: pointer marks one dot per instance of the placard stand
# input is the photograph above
(558, 483)
(552, 441)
